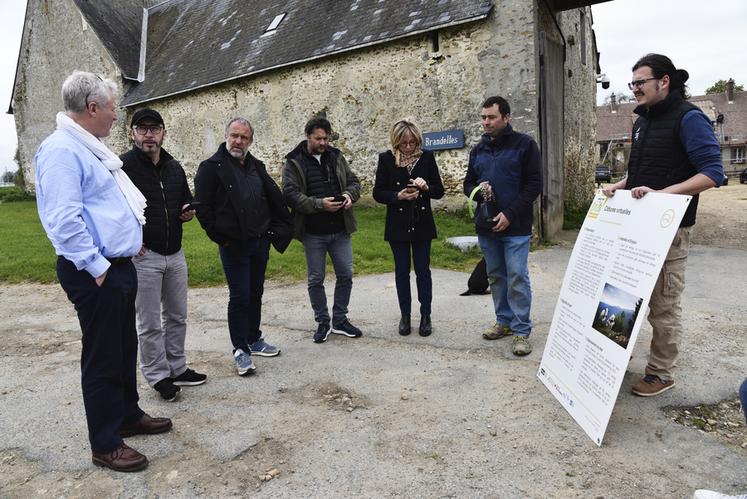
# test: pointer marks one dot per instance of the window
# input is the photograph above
(737, 155)
(275, 23)
(603, 147)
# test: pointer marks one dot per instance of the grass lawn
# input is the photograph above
(27, 255)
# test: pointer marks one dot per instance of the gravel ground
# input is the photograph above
(446, 416)
(722, 218)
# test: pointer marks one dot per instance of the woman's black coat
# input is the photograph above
(407, 220)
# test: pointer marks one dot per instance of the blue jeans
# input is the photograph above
(340, 249)
(743, 397)
(508, 275)
(421, 258)
(244, 263)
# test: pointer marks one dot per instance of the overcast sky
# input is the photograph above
(11, 25)
(708, 39)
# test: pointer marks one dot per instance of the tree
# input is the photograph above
(8, 177)
(619, 323)
(720, 87)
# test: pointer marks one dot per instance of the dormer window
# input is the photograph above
(275, 23)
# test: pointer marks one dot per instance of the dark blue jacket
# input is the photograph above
(512, 164)
(407, 220)
(673, 141)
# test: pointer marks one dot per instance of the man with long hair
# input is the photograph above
(674, 151)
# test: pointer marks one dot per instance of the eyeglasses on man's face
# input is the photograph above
(639, 83)
(144, 129)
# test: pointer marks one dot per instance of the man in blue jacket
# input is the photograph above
(674, 150)
(506, 169)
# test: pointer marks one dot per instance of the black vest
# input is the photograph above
(322, 182)
(657, 157)
(166, 190)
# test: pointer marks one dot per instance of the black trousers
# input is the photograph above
(107, 363)
(421, 258)
(244, 264)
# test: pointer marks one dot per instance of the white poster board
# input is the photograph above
(603, 300)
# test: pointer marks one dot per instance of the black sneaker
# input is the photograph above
(347, 329)
(322, 332)
(168, 390)
(190, 378)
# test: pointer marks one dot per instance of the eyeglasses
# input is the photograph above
(640, 83)
(142, 129)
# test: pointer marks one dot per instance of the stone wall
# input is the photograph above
(56, 41)
(579, 100)
(362, 92)
(579, 158)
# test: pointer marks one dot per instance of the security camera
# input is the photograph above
(604, 80)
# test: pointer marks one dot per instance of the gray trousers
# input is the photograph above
(340, 249)
(161, 306)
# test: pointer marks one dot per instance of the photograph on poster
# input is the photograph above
(616, 314)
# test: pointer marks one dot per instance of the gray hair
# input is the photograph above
(241, 121)
(82, 88)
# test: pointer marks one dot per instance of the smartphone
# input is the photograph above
(191, 206)
(339, 199)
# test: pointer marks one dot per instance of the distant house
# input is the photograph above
(365, 64)
(727, 111)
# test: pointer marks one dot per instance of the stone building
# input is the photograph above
(727, 111)
(364, 63)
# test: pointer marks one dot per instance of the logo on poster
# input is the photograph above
(597, 205)
(666, 219)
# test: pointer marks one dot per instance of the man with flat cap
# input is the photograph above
(161, 301)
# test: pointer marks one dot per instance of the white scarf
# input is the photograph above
(134, 197)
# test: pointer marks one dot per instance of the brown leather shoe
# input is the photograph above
(652, 385)
(122, 458)
(146, 425)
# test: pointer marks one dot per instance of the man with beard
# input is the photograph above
(243, 211)
(92, 214)
(674, 151)
(320, 188)
(161, 301)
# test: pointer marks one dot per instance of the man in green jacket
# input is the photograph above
(320, 189)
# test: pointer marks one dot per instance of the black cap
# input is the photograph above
(146, 113)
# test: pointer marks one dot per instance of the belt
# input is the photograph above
(119, 260)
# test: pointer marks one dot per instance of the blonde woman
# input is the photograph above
(407, 179)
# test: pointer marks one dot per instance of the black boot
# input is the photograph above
(404, 325)
(425, 326)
